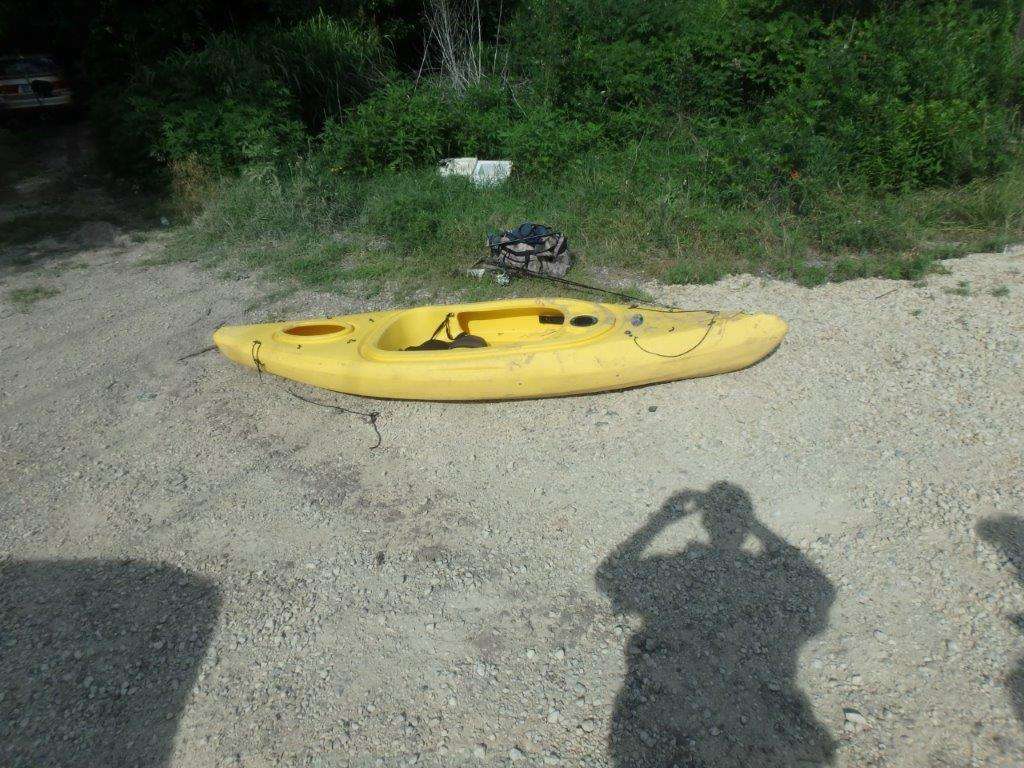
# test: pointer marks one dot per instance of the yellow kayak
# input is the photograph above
(498, 350)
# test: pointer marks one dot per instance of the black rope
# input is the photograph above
(368, 417)
(446, 326)
(635, 303)
(254, 353)
(198, 352)
(707, 331)
(533, 240)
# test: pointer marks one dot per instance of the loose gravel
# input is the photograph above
(815, 560)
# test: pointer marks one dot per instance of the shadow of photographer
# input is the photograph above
(711, 675)
(1007, 534)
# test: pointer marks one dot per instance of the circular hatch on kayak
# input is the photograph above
(314, 331)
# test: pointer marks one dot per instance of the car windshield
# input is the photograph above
(29, 66)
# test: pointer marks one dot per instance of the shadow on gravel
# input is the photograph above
(98, 657)
(1007, 534)
(711, 676)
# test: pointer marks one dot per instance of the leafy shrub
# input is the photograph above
(890, 96)
(239, 100)
(546, 141)
(910, 98)
(217, 105)
(405, 125)
(483, 114)
(398, 127)
(228, 133)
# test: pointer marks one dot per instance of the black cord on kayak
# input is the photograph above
(368, 417)
(445, 326)
(707, 331)
(254, 353)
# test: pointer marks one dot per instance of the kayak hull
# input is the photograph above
(535, 348)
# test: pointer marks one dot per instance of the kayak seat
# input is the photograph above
(462, 341)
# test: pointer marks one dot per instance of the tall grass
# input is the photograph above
(328, 65)
(413, 231)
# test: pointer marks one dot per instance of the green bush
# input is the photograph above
(915, 97)
(762, 98)
(227, 133)
(897, 96)
(398, 127)
(219, 104)
(238, 100)
(547, 141)
(405, 125)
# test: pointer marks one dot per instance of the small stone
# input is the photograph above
(560, 653)
(853, 720)
(652, 408)
(530, 653)
(588, 726)
(479, 751)
(515, 753)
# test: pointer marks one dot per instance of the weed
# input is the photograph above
(1000, 291)
(963, 288)
(24, 298)
(916, 312)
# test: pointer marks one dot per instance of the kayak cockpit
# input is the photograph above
(497, 327)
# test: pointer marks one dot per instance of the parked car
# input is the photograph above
(33, 83)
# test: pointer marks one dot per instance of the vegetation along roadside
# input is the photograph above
(683, 141)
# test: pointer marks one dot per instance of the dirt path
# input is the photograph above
(811, 560)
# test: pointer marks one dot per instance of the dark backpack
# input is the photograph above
(531, 248)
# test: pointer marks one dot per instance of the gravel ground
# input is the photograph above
(813, 561)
